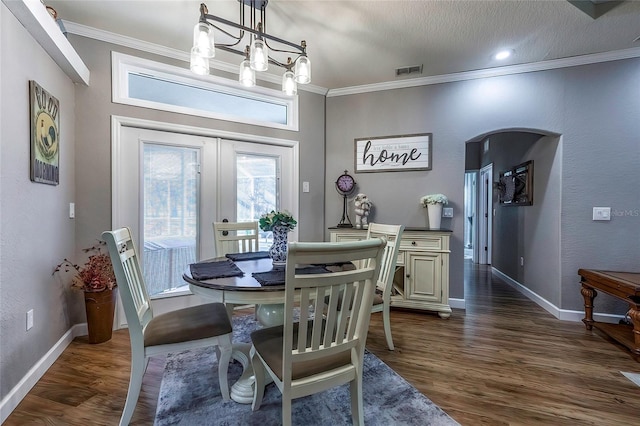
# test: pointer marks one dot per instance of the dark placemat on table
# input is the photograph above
(251, 255)
(277, 276)
(217, 269)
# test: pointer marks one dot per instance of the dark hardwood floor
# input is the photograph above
(503, 361)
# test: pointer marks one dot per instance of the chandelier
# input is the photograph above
(257, 52)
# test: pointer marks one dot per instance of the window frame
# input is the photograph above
(123, 65)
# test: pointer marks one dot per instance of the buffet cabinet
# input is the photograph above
(421, 280)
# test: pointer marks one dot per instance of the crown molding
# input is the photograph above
(490, 72)
(157, 49)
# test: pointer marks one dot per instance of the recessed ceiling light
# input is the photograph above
(503, 54)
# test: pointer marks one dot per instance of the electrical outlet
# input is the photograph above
(29, 319)
(305, 186)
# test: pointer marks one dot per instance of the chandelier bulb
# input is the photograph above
(247, 75)
(289, 86)
(259, 55)
(199, 65)
(203, 40)
(302, 69)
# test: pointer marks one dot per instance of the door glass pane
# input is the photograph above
(170, 215)
(469, 212)
(257, 188)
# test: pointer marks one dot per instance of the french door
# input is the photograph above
(255, 179)
(160, 185)
(170, 187)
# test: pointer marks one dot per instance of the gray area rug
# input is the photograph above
(190, 395)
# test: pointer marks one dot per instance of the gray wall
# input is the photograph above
(94, 142)
(592, 107)
(472, 156)
(36, 233)
(540, 245)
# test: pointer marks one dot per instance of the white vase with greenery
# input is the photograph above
(433, 203)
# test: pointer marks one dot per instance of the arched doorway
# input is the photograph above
(523, 242)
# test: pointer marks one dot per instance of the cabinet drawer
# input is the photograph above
(348, 238)
(434, 243)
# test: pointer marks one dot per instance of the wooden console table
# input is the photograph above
(623, 285)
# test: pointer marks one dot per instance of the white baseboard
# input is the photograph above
(457, 303)
(561, 314)
(15, 396)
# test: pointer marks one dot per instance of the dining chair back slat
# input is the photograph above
(235, 237)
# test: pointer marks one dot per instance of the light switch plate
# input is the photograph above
(447, 212)
(29, 319)
(305, 186)
(602, 213)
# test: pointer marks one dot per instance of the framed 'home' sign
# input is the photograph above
(393, 153)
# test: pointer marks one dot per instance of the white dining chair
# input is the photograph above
(235, 237)
(175, 331)
(315, 352)
(382, 298)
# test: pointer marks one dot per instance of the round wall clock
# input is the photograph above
(345, 184)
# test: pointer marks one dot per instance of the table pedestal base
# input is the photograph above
(242, 390)
(271, 315)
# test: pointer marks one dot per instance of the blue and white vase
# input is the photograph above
(278, 250)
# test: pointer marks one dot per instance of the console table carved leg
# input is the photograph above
(634, 314)
(588, 294)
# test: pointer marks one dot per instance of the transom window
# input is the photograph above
(150, 84)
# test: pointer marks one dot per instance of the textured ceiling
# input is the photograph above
(352, 43)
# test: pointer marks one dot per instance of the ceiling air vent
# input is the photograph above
(413, 69)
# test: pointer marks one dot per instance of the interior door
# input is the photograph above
(470, 215)
(486, 215)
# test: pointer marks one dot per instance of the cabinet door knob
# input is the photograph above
(408, 275)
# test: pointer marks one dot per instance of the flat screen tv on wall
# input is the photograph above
(516, 185)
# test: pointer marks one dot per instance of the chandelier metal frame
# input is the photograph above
(257, 30)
